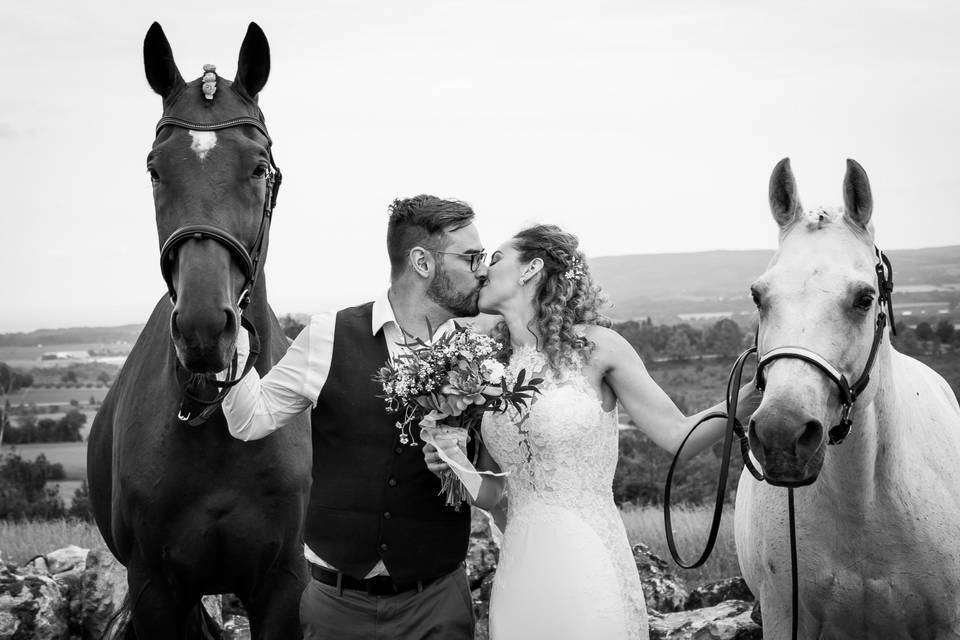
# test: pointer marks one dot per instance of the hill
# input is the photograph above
(74, 335)
(674, 287)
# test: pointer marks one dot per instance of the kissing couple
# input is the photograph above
(385, 551)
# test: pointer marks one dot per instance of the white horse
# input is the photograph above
(878, 527)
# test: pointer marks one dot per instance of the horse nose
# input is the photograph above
(785, 431)
(201, 338)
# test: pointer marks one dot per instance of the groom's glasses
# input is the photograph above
(476, 259)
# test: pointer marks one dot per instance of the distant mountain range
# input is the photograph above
(673, 287)
(670, 288)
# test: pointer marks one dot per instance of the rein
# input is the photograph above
(848, 395)
(193, 409)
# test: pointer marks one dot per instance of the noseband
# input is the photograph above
(194, 409)
(248, 260)
(848, 392)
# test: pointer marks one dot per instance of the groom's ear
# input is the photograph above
(421, 261)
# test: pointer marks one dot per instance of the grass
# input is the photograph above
(21, 541)
(691, 526)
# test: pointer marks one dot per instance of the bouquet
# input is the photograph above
(445, 387)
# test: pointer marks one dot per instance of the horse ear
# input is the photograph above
(253, 68)
(857, 198)
(161, 70)
(784, 202)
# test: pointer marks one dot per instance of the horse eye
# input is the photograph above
(154, 176)
(756, 298)
(864, 301)
(260, 172)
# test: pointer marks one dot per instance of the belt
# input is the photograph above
(375, 586)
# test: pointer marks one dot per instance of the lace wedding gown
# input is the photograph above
(566, 570)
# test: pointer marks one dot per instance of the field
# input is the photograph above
(72, 455)
(21, 541)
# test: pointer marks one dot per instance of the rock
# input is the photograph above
(664, 591)
(719, 591)
(214, 606)
(103, 586)
(481, 607)
(236, 627)
(32, 606)
(36, 566)
(755, 615)
(728, 620)
(66, 559)
(483, 552)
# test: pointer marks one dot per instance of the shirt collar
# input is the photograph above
(382, 315)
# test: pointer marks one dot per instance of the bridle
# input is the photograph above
(848, 396)
(848, 392)
(193, 409)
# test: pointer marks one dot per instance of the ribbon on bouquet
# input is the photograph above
(457, 460)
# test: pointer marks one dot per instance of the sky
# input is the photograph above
(640, 126)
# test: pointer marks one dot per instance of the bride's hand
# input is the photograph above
(436, 465)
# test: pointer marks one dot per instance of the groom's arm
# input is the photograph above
(256, 407)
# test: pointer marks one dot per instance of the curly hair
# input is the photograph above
(566, 295)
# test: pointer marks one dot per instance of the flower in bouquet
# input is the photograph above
(446, 386)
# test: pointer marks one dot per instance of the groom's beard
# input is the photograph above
(460, 304)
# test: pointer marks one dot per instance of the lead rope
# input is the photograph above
(734, 428)
(794, 586)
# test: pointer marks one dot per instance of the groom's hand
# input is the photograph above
(433, 460)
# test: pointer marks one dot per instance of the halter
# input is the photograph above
(193, 409)
(848, 395)
(848, 392)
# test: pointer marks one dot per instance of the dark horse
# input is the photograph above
(185, 507)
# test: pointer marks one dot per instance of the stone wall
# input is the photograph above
(76, 594)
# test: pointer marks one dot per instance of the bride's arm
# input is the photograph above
(491, 488)
(649, 406)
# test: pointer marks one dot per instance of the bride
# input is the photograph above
(566, 569)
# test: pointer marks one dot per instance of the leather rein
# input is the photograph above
(848, 396)
(193, 409)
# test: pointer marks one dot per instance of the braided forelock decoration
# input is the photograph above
(562, 303)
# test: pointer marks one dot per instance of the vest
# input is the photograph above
(372, 497)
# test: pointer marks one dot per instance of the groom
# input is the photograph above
(385, 552)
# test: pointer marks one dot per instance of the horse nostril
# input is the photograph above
(174, 327)
(230, 324)
(811, 436)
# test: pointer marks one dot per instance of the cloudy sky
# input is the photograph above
(644, 127)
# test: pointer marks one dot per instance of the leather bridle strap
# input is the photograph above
(848, 392)
(249, 260)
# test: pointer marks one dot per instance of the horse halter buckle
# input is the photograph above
(848, 392)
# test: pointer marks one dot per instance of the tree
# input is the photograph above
(723, 338)
(103, 378)
(924, 332)
(945, 331)
(69, 377)
(291, 326)
(679, 346)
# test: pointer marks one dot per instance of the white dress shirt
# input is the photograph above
(256, 407)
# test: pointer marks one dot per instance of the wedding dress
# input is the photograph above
(566, 570)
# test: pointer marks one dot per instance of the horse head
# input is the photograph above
(820, 306)
(214, 186)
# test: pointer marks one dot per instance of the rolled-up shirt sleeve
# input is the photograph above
(256, 407)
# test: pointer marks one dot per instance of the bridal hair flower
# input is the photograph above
(575, 271)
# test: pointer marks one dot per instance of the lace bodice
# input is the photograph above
(563, 446)
(561, 454)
